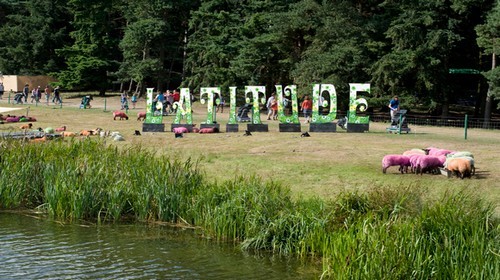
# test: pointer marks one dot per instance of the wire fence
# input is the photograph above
(463, 122)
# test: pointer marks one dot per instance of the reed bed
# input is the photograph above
(386, 233)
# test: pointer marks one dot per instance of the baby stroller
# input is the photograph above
(86, 102)
(400, 119)
(343, 122)
(18, 98)
(243, 113)
(399, 124)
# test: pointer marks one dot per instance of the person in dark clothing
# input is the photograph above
(26, 92)
(57, 96)
(394, 107)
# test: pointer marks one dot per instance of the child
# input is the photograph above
(34, 95)
(307, 108)
(134, 100)
(123, 100)
(274, 108)
(221, 105)
(268, 105)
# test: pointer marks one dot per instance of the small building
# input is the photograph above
(16, 83)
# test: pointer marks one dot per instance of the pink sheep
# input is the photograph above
(12, 119)
(209, 130)
(180, 130)
(414, 152)
(413, 161)
(141, 116)
(429, 163)
(119, 114)
(395, 160)
(432, 151)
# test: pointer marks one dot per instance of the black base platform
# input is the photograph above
(153, 127)
(257, 128)
(290, 127)
(358, 127)
(323, 127)
(232, 127)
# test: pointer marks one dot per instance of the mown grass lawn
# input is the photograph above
(322, 165)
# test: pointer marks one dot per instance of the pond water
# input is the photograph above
(32, 247)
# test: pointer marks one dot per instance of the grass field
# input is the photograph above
(322, 165)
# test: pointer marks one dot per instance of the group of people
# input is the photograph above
(167, 100)
(124, 100)
(272, 107)
(306, 106)
(36, 95)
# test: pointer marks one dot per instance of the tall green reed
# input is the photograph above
(90, 180)
(454, 238)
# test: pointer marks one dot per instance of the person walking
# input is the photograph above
(221, 104)
(394, 107)
(307, 108)
(26, 92)
(271, 99)
(34, 94)
(176, 97)
(38, 94)
(57, 95)
(170, 101)
(47, 92)
(123, 100)
(134, 100)
(2, 89)
(274, 108)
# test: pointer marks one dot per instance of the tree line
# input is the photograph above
(431, 52)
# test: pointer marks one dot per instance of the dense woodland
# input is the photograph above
(417, 49)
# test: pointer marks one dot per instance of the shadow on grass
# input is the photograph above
(481, 175)
(385, 132)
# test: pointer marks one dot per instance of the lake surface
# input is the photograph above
(33, 247)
